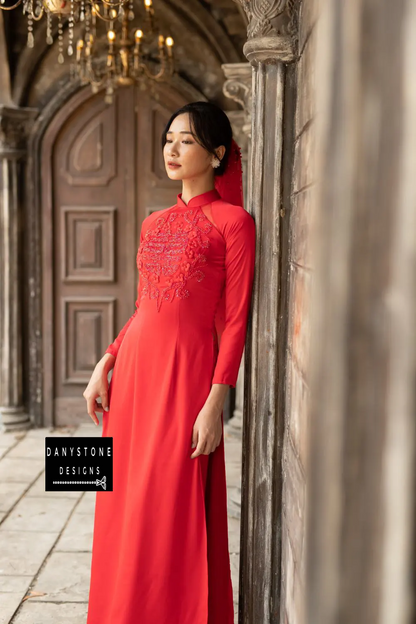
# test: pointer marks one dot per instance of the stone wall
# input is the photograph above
(300, 280)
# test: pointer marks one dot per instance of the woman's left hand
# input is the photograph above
(207, 430)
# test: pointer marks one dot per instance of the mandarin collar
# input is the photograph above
(199, 200)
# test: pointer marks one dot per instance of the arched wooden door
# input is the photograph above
(103, 173)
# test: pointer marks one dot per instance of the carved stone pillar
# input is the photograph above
(271, 44)
(14, 125)
(238, 88)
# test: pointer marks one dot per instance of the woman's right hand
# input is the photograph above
(98, 387)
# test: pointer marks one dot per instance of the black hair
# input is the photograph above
(210, 125)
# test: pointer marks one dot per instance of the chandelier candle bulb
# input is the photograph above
(136, 59)
(136, 52)
(88, 48)
(169, 45)
(80, 47)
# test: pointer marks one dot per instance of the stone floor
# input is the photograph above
(46, 537)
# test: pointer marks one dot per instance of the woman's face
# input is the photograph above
(181, 148)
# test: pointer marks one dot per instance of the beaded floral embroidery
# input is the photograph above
(171, 253)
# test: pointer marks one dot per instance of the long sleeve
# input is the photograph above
(115, 346)
(240, 237)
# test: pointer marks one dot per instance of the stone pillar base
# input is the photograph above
(14, 419)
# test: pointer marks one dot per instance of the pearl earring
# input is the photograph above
(215, 163)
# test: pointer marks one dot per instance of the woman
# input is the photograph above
(160, 549)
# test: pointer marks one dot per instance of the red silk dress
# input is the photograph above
(160, 544)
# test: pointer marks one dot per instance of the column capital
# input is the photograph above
(15, 125)
(238, 120)
(272, 31)
(238, 87)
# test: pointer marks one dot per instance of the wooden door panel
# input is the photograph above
(107, 174)
(91, 156)
(87, 329)
(87, 243)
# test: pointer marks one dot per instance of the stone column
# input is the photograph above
(270, 46)
(238, 88)
(361, 540)
(14, 126)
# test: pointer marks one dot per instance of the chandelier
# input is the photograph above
(109, 52)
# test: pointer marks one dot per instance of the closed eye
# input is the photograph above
(168, 141)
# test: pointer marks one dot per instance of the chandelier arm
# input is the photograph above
(93, 77)
(104, 19)
(114, 4)
(39, 17)
(99, 83)
(149, 74)
(3, 8)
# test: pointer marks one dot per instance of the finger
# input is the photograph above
(91, 411)
(200, 447)
(209, 448)
(98, 407)
(94, 418)
(104, 400)
(91, 407)
(194, 442)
